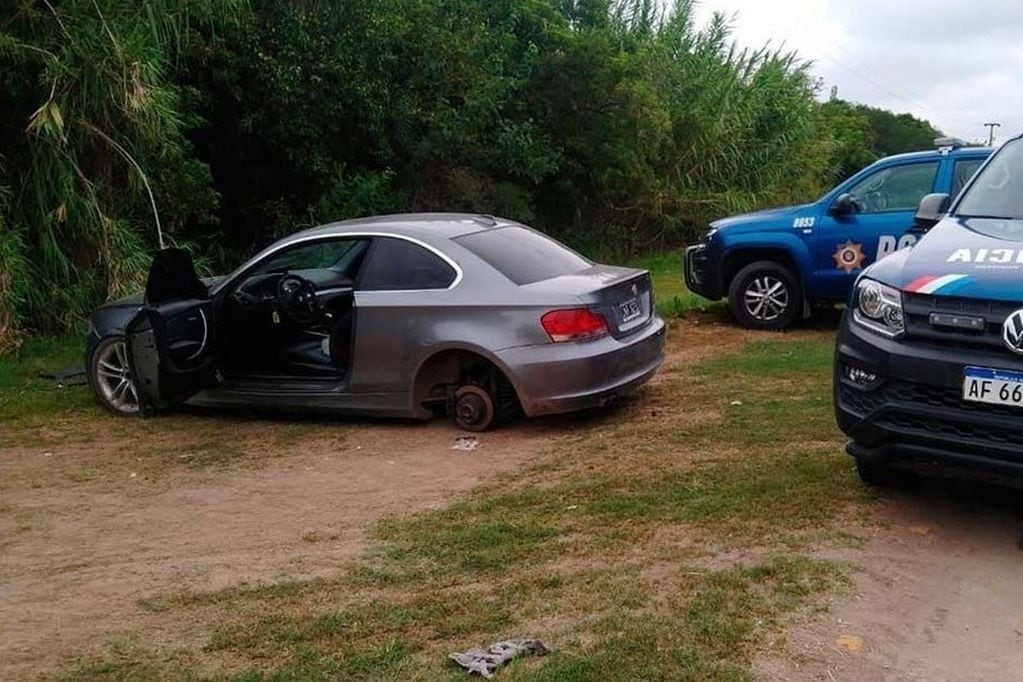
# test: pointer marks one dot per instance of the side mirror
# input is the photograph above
(844, 205)
(932, 209)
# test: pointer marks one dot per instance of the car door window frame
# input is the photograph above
(979, 160)
(370, 255)
(936, 163)
(248, 266)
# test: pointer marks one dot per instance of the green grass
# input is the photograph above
(26, 397)
(609, 548)
(672, 296)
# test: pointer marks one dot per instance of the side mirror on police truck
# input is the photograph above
(932, 209)
(844, 205)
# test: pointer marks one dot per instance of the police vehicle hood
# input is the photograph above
(759, 220)
(968, 257)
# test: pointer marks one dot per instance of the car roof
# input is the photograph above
(937, 154)
(427, 226)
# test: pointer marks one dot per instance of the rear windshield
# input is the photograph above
(522, 255)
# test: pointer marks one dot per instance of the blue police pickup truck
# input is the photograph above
(929, 358)
(773, 265)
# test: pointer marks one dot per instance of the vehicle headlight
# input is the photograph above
(709, 234)
(879, 307)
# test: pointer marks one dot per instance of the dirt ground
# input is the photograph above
(78, 558)
(936, 590)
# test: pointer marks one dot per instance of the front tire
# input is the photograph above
(110, 377)
(765, 295)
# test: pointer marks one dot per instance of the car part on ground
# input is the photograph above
(824, 245)
(486, 663)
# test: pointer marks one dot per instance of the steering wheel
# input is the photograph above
(296, 298)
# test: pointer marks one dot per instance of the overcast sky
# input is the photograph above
(956, 63)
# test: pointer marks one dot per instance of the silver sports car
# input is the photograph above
(398, 316)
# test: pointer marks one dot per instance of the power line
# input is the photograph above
(889, 91)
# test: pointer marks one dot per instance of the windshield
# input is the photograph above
(997, 192)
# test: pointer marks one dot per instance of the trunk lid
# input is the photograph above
(624, 296)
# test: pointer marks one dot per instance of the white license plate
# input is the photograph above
(630, 310)
(994, 386)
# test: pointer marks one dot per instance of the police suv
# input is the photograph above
(772, 265)
(929, 362)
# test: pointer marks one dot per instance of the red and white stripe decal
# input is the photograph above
(930, 284)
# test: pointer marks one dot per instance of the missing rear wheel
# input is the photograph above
(473, 408)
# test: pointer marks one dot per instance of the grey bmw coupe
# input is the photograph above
(396, 316)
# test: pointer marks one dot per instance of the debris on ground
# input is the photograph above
(465, 443)
(850, 643)
(487, 662)
(68, 377)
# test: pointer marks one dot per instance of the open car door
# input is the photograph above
(170, 340)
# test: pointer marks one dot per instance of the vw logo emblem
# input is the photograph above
(1012, 332)
(635, 290)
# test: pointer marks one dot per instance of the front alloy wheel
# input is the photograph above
(111, 378)
(765, 295)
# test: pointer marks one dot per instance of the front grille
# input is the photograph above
(918, 308)
(866, 402)
(892, 407)
(697, 269)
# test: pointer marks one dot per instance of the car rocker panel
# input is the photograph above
(934, 372)
(821, 246)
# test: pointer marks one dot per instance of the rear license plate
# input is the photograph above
(630, 310)
(994, 386)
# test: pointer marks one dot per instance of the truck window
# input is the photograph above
(896, 188)
(962, 172)
(998, 190)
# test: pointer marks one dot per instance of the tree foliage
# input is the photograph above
(863, 134)
(615, 124)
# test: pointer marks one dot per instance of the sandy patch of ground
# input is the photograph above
(936, 595)
(77, 558)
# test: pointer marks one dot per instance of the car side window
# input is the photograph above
(896, 188)
(400, 265)
(963, 170)
(326, 254)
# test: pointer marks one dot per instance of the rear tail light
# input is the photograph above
(573, 324)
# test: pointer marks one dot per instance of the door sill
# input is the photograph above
(282, 384)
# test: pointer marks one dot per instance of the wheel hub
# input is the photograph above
(470, 408)
(766, 298)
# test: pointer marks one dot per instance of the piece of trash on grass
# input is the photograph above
(850, 643)
(487, 662)
(465, 443)
(736, 403)
(571, 507)
(133, 475)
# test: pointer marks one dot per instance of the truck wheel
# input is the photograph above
(765, 295)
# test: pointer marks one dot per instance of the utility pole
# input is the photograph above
(991, 132)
